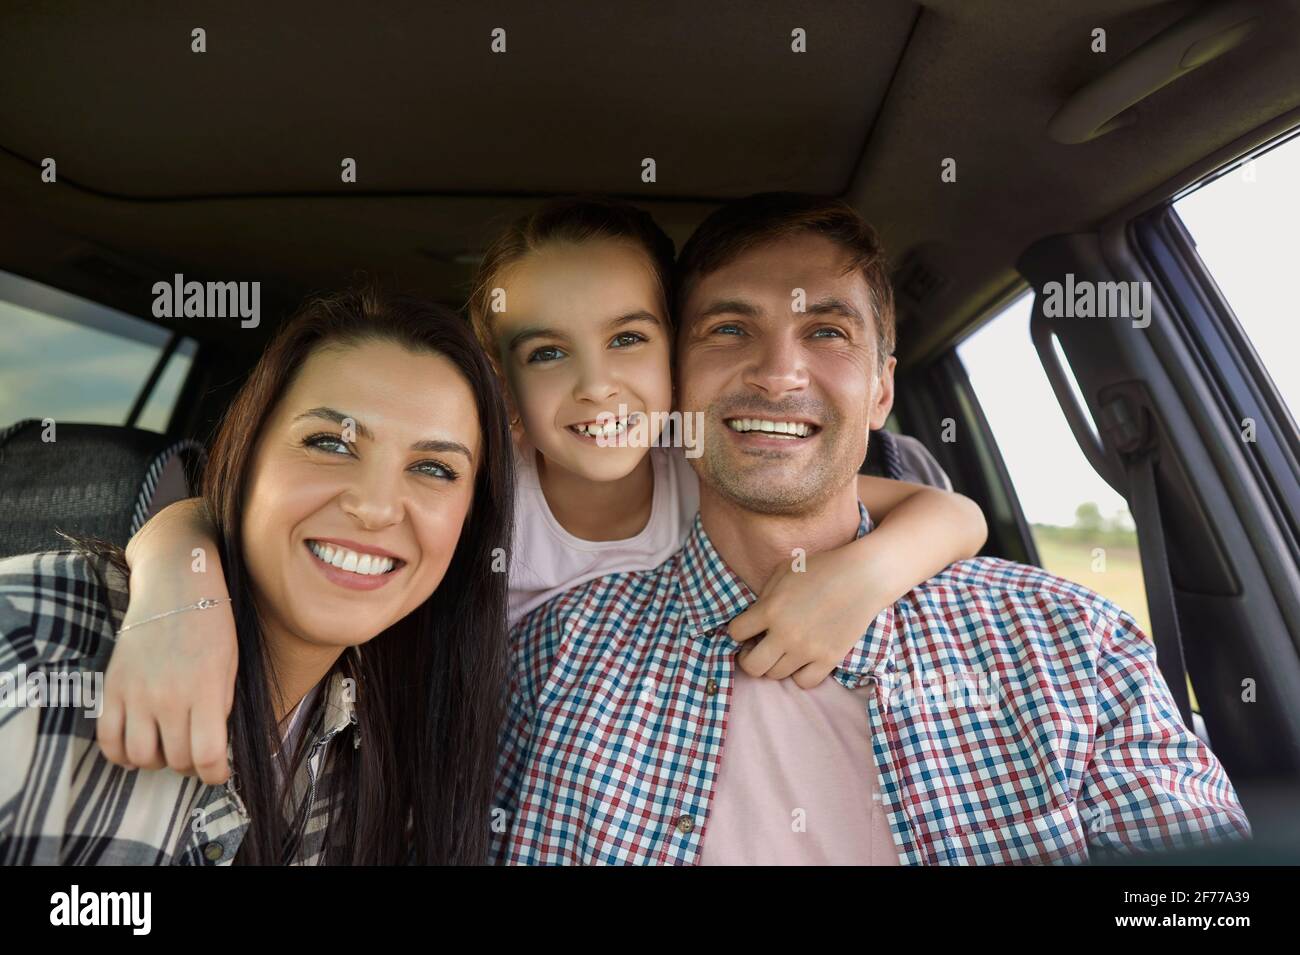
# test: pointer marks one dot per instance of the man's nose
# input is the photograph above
(777, 367)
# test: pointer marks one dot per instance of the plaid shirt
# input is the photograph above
(61, 801)
(1052, 731)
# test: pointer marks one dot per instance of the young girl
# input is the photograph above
(364, 721)
(572, 305)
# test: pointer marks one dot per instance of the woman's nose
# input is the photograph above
(374, 499)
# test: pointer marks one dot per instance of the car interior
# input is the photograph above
(993, 147)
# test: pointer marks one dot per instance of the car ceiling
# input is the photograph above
(226, 165)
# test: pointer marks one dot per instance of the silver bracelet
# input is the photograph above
(203, 604)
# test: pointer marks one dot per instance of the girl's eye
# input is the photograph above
(327, 442)
(545, 353)
(436, 469)
(628, 338)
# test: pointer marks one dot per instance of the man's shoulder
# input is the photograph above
(58, 605)
(1017, 589)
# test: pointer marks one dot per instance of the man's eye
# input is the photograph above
(330, 443)
(547, 353)
(728, 329)
(628, 338)
(834, 331)
(436, 469)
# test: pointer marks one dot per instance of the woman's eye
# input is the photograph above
(330, 443)
(628, 338)
(436, 469)
(547, 353)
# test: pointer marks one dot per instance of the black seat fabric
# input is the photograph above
(903, 458)
(96, 480)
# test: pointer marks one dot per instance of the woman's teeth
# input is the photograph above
(785, 429)
(370, 565)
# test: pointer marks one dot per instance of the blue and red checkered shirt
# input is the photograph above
(1016, 717)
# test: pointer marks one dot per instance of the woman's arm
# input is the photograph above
(170, 683)
(814, 616)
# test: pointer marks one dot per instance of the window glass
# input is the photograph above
(1244, 225)
(72, 360)
(1082, 528)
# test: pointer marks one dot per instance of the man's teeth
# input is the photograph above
(789, 429)
(371, 565)
(598, 430)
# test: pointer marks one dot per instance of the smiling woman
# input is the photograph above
(358, 487)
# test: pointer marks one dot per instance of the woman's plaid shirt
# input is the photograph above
(61, 801)
(1016, 718)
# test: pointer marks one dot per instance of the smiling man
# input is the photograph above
(994, 714)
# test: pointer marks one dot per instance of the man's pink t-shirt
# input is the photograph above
(798, 782)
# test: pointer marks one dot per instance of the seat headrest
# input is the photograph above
(901, 457)
(99, 480)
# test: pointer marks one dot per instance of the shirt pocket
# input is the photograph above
(1055, 837)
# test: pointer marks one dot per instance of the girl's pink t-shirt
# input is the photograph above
(548, 560)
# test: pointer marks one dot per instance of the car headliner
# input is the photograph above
(226, 165)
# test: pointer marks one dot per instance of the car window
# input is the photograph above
(1244, 226)
(72, 360)
(1081, 526)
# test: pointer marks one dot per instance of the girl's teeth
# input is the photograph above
(597, 430)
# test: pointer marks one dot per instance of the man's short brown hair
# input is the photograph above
(745, 224)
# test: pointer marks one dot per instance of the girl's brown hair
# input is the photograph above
(573, 219)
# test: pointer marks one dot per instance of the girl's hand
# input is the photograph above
(815, 616)
(812, 618)
(170, 683)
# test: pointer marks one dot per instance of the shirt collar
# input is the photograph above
(340, 697)
(711, 595)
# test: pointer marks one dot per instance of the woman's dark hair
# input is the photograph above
(428, 689)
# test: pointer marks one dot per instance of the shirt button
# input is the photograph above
(710, 687)
(890, 665)
(685, 824)
(213, 851)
